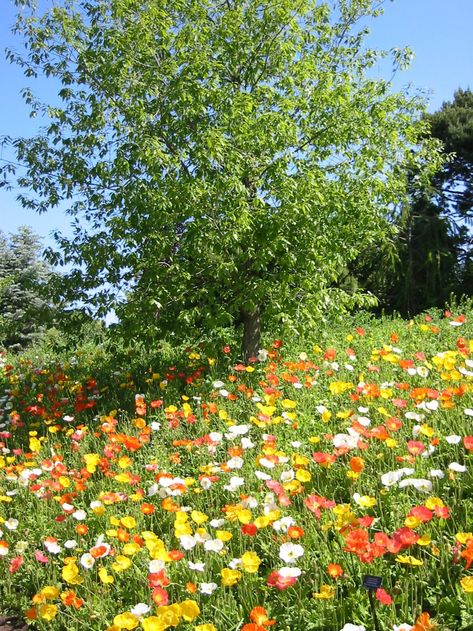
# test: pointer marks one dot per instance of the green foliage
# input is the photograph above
(26, 289)
(421, 266)
(223, 161)
(453, 125)
(429, 258)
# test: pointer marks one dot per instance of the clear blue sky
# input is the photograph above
(439, 32)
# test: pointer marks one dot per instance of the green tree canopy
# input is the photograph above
(222, 160)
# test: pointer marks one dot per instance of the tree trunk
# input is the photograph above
(251, 334)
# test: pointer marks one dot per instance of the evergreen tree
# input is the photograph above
(430, 256)
(453, 125)
(26, 307)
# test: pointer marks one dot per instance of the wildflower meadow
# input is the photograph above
(208, 494)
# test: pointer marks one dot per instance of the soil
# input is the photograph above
(12, 624)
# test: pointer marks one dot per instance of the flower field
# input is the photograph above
(209, 495)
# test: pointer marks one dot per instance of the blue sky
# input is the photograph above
(439, 32)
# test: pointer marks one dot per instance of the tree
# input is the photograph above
(453, 125)
(26, 306)
(425, 267)
(430, 258)
(223, 159)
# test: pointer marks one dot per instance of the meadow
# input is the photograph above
(200, 493)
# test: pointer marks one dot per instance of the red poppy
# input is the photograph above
(158, 579)
(280, 582)
(15, 564)
(402, 538)
(249, 529)
(421, 512)
(356, 540)
(415, 447)
(160, 596)
(324, 459)
(468, 442)
(383, 597)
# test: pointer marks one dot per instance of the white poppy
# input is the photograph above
(234, 484)
(207, 588)
(235, 463)
(290, 552)
(140, 609)
(454, 439)
(197, 567)
(262, 355)
(237, 430)
(418, 483)
(392, 477)
(428, 452)
(52, 547)
(283, 525)
(235, 564)
(261, 475)
(70, 544)
(454, 466)
(87, 561)
(345, 441)
(287, 476)
(213, 545)
(156, 566)
(206, 483)
(413, 416)
(187, 542)
(249, 502)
